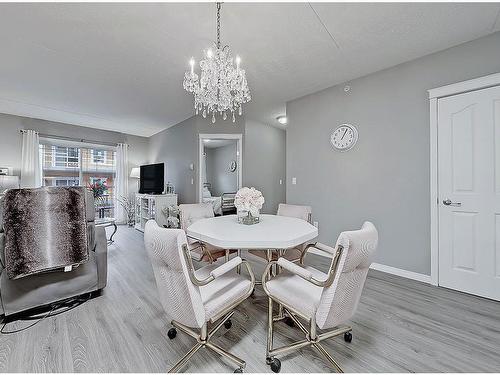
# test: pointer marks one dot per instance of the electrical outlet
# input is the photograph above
(281, 181)
(294, 180)
(316, 224)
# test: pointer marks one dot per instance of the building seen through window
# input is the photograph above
(80, 166)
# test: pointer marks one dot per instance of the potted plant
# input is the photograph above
(99, 189)
(129, 207)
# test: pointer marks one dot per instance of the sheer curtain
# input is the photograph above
(31, 168)
(121, 181)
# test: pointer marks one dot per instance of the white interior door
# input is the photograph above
(469, 192)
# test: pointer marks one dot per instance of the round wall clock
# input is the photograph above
(344, 137)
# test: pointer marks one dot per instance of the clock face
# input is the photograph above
(344, 137)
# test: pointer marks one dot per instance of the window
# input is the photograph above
(80, 166)
(65, 156)
(98, 156)
(66, 181)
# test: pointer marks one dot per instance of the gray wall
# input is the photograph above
(385, 178)
(177, 146)
(11, 140)
(263, 156)
(264, 162)
(218, 174)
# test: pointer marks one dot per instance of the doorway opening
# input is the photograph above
(220, 173)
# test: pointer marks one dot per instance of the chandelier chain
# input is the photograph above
(218, 24)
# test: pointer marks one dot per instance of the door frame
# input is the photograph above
(239, 155)
(435, 94)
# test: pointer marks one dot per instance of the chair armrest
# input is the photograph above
(324, 248)
(219, 271)
(295, 269)
(101, 254)
(226, 267)
(302, 272)
(318, 246)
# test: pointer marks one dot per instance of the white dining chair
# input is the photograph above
(203, 252)
(324, 301)
(293, 254)
(193, 299)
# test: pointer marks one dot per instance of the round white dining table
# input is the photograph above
(272, 232)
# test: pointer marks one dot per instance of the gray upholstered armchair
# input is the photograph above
(18, 295)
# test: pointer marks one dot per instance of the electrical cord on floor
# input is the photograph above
(66, 305)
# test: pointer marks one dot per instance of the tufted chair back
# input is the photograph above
(179, 297)
(189, 213)
(293, 210)
(340, 300)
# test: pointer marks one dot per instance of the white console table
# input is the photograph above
(149, 206)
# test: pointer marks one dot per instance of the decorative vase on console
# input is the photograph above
(248, 203)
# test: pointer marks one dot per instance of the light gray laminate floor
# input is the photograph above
(401, 326)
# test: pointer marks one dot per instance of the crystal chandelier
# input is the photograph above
(221, 88)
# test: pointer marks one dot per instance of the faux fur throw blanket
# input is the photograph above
(45, 229)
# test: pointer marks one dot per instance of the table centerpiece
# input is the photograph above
(248, 203)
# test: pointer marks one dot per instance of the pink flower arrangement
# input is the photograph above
(249, 199)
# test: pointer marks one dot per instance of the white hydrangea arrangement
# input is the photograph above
(249, 199)
(172, 214)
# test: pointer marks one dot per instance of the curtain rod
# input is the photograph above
(50, 136)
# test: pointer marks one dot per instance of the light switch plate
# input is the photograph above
(281, 181)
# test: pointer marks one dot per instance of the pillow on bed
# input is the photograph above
(206, 193)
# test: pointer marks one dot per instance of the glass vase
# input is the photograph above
(247, 217)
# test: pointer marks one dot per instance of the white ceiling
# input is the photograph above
(119, 66)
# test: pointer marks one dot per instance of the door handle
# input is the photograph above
(448, 202)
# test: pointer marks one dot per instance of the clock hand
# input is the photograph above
(343, 135)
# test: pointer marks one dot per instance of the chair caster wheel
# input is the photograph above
(172, 332)
(239, 370)
(348, 336)
(228, 324)
(289, 322)
(276, 365)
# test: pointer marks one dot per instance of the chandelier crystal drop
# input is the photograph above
(221, 87)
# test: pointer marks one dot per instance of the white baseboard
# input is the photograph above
(391, 270)
(403, 273)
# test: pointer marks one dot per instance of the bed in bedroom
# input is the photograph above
(215, 201)
(223, 205)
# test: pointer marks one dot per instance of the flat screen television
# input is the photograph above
(152, 179)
